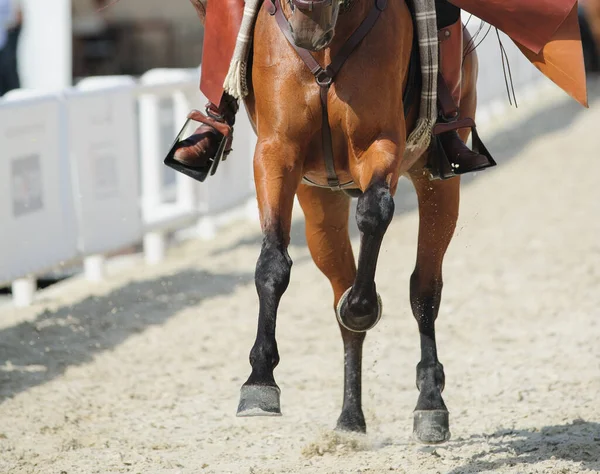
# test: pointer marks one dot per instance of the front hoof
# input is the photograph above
(357, 323)
(259, 400)
(351, 423)
(431, 426)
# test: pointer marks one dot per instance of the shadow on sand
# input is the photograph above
(33, 353)
(577, 442)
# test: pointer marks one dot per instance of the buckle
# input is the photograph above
(323, 78)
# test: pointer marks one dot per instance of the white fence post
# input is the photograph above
(155, 244)
(154, 241)
(94, 267)
(23, 291)
(186, 186)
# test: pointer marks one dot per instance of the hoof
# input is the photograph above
(431, 426)
(356, 324)
(348, 423)
(259, 400)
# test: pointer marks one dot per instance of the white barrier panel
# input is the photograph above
(103, 150)
(36, 201)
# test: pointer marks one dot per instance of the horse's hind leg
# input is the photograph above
(276, 182)
(327, 213)
(438, 212)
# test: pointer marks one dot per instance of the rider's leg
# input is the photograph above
(451, 61)
(222, 20)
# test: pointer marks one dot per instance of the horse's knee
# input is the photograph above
(273, 269)
(375, 210)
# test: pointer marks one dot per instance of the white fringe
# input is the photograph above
(420, 138)
(235, 82)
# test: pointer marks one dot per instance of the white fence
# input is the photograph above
(82, 173)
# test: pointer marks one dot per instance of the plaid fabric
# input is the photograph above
(425, 15)
(419, 140)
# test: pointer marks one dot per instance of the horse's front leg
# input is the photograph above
(276, 177)
(360, 307)
(438, 213)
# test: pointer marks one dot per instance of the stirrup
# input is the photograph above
(200, 173)
(438, 163)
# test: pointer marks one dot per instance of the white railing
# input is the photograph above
(82, 173)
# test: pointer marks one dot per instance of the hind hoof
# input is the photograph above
(259, 400)
(431, 426)
(358, 324)
(351, 423)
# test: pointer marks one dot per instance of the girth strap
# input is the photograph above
(326, 76)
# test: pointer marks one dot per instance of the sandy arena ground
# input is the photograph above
(141, 374)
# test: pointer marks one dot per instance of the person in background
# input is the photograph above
(12, 44)
(5, 14)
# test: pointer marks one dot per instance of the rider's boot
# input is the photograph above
(458, 159)
(203, 144)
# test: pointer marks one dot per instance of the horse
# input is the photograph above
(368, 131)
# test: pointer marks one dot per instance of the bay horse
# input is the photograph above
(368, 131)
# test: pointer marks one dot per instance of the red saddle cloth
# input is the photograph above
(546, 32)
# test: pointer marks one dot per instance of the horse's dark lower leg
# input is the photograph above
(327, 213)
(431, 423)
(352, 418)
(438, 210)
(360, 308)
(260, 393)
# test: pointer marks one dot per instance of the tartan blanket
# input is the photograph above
(419, 140)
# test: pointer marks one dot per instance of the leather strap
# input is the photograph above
(445, 127)
(326, 76)
(447, 105)
(284, 26)
(221, 127)
(356, 37)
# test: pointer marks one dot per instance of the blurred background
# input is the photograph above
(127, 38)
